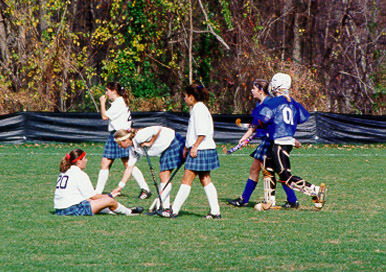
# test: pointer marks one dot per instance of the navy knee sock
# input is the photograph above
(291, 197)
(248, 190)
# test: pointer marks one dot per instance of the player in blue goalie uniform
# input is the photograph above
(280, 116)
(260, 92)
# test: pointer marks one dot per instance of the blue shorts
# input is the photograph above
(172, 157)
(206, 160)
(261, 149)
(83, 208)
(112, 149)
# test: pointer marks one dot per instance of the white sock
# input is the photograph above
(181, 196)
(165, 195)
(137, 175)
(107, 211)
(122, 210)
(211, 194)
(273, 200)
(102, 179)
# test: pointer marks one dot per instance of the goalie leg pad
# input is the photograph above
(300, 185)
(281, 161)
(269, 190)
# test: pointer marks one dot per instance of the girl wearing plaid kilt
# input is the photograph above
(159, 141)
(119, 117)
(75, 195)
(200, 153)
(260, 92)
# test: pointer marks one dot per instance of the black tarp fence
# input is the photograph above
(322, 127)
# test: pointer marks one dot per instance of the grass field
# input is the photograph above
(348, 234)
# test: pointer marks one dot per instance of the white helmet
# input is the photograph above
(280, 81)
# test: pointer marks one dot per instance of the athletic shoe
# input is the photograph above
(136, 210)
(238, 202)
(144, 194)
(212, 216)
(291, 205)
(166, 213)
(320, 199)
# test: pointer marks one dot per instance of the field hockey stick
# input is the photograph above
(152, 172)
(241, 125)
(163, 189)
(240, 145)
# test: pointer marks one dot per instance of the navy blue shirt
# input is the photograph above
(280, 116)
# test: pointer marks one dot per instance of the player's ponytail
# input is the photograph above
(262, 84)
(199, 92)
(115, 86)
(70, 159)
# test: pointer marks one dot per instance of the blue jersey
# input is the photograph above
(260, 132)
(280, 116)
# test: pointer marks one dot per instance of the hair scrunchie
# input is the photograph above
(68, 157)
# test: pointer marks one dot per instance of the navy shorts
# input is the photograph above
(112, 149)
(261, 149)
(83, 208)
(172, 157)
(206, 160)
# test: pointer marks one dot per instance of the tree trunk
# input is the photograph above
(190, 42)
(3, 39)
(296, 53)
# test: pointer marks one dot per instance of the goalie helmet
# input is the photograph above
(281, 82)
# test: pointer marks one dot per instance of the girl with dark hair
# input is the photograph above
(260, 92)
(119, 117)
(75, 195)
(200, 153)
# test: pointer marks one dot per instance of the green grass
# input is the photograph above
(348, 234)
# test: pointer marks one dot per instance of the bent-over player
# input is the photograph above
(159, 141)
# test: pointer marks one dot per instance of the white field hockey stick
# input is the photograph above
(241, 125)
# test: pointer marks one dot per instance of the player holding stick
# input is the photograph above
(280, 116)
(260, 92)
(200, 153)
(159, 141)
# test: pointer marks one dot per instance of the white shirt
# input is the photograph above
(119, 115)
(161, 143)
(72, 187)
(200, 124)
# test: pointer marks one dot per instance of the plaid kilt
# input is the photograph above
(261, 149)
(113, 151)
(206, 160)
(172, 157)
(83, 208)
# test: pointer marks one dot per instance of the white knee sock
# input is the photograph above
(102, 179)
(137, 175)
(165, 195)
(107, 211)
(122, 210)
(211, 194)
(181, 196)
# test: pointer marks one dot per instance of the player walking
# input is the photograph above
(260, 92)
(280, 116)
(200, 153)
